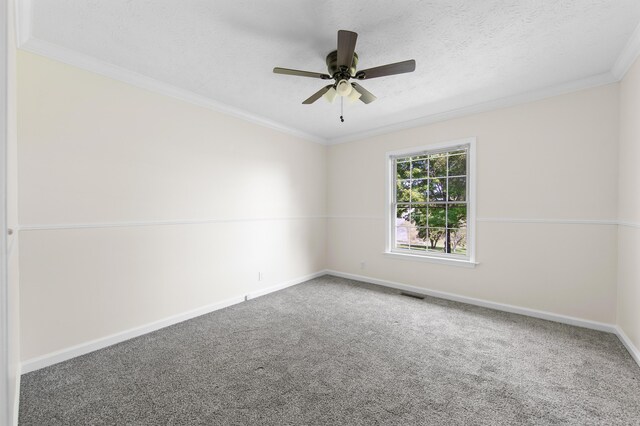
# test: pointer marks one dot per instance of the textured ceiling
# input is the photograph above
(467, 51)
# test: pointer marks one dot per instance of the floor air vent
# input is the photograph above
(415, 296)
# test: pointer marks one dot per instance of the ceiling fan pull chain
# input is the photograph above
(342, 109)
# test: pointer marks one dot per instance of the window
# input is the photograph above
(431, 208)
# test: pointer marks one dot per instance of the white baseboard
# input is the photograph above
(84, 348)
(635, 352)
(16, 402)
(93, 345)
(610, 328)
(282, 286)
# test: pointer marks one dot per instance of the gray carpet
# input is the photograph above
(336, 352)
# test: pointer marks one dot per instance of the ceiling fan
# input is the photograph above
(342, 64)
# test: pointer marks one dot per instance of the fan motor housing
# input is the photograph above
(332, 64)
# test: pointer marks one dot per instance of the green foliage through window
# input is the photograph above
(431, 202)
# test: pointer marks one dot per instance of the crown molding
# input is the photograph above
(628, 55)
(89, 63)
(465, 110)
(27, 42)
(97, 66)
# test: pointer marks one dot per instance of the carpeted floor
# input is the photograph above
(336, 352)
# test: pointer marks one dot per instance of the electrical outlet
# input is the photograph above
(260, 276)
(363, 265)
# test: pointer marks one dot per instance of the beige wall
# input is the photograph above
(103, 166)
(95, 152)
(553, 160)
(629, 206)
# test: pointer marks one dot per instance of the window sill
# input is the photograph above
(431, 259)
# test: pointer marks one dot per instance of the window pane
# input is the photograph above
(419, 239)
(437, 189)
(458, 165)
(430, 205)
(436, 216)
(435, 238)
(419, 189)
(403, 191)
(457, 215)
(419, 168)
(457, 189)
(438, 165)
(458, 241)
(402, 237)
(419, 215)
(403, 170)
(403, 214)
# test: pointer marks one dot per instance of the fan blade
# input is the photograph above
(288, 71)
(367, 97)
(317, 95)
(389, 69)
(346, 47)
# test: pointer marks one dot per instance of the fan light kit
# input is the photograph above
(343, 88)
(342, 64)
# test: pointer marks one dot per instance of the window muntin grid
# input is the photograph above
(430, 202)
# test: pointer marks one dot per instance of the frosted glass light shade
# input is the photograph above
(344, 88)
(354, 95)
(330, 95)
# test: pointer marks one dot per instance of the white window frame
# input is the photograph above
(390, 214)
